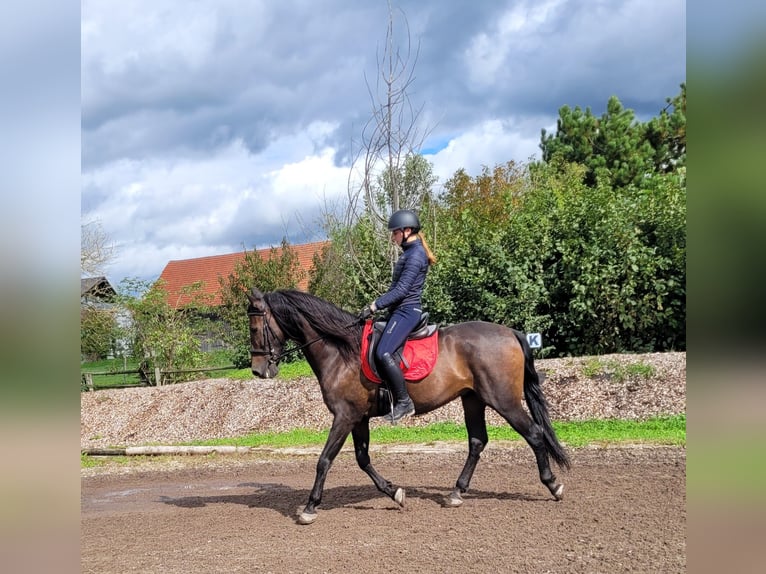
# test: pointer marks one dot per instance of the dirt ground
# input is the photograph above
(624, 510)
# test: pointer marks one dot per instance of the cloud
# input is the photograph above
(488, 144)
(206, 126)
(220, 204)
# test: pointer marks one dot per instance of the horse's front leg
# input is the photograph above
(339, 430)
(361, 436)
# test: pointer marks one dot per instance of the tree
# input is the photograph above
(486, 197)
(162, 335)
(667, 134)
(96, 249)
(479, 276)
(387, 174)
(356, 266)
(613, 264)
(391, 136)
(98, 331)
(616, 145)
(280, 270)
(98, 321)
(595, 269)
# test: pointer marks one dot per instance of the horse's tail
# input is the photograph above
(538, 405)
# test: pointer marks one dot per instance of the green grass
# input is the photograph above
(294, 370)
(112, 365)
(670, 431)
(664, 430)
(118, 364)
(595, 366)
(287, 371)
(660, 430)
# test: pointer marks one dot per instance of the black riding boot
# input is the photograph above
(403, 405)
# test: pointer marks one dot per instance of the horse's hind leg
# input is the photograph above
(474, 410)
(533, 433)
(361, 436)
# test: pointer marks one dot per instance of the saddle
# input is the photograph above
(416, 357)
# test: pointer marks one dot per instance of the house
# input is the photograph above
(184, 272)
(96, 291)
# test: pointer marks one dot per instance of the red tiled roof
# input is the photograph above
(184, 272)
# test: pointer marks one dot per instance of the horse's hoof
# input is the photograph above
(559, 492)
(307, 517)
(399, 496)
(454, 499)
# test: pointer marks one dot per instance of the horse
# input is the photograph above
(485, 364)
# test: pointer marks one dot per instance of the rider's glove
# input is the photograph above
(367, 312)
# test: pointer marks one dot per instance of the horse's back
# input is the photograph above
(478, 332)
(475, 356)
(474, 344)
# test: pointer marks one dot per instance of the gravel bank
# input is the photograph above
(214, 408)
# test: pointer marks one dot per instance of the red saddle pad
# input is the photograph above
(420, 355)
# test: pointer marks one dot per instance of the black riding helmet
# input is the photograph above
(404, 218)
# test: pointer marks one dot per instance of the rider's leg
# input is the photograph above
(399, 326)
(403, 405)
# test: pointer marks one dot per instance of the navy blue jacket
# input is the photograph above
(408, 279)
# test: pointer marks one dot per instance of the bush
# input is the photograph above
(98, 329)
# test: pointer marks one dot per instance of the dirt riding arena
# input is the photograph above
(624, 510)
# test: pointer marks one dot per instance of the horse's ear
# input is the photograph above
(255, 296)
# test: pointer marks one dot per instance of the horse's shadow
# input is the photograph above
(287, 500)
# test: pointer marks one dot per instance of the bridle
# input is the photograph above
(269, 335)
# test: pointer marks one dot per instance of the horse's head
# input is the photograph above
(266, 338)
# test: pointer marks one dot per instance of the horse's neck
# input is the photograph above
(322, 355)
(312, 341)
(318, 355)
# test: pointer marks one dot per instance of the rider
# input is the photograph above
(403, 301)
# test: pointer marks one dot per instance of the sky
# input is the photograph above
(212, 127)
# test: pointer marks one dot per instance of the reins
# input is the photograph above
(268, 333)
(296, 349)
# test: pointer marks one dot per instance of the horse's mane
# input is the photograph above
(330, 322)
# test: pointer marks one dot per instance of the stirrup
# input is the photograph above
(407, 410)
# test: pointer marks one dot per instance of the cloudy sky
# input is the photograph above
(212, 126)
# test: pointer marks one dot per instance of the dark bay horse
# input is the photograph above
(482, 363)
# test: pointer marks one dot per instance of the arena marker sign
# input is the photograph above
(535, 340)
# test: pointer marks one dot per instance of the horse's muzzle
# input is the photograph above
(268, 372)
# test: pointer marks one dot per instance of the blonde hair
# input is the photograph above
(429, 253)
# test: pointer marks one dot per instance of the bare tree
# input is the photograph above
(98, 317)
(96, 249)
(391, 134)
(387, 172)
